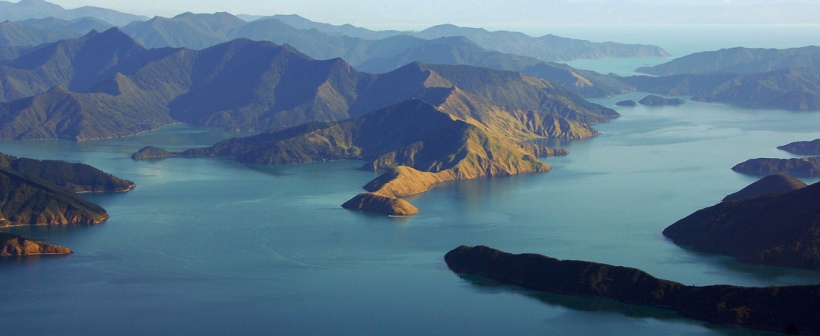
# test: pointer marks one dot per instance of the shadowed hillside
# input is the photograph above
(785, 309)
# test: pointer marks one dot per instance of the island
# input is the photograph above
(790, 309)
(151, 152)
(15, 245)
(773, 184)
(803, 167)
(779, 229)
(373, 202)
(627, 103)
(802, 147)
(653, 100)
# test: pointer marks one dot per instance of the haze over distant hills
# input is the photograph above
(197, 31)
(762, 78)
(39, 9)
(738, 60)
(120, 88)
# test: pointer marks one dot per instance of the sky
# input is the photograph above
(420, 14)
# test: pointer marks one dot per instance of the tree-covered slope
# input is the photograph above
(775, 229)
(29, 201)
(789, 309)
(75, 177)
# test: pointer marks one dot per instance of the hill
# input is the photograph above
(461, 51)
(772, 184)
(774, 229)
(788, 309)
(789, 88)
(299, 22)
(75, 177)
(79, 26)
(29, 201)
(738, 60)
(16, 34)
(653, 100)
(389, 52)
(193, 31)
(546, 48)
(39, 9)
(15, 245)
(802, 147)
(808, 166)
(417, 143)
(120, 88)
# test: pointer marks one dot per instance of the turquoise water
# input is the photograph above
(209, 246)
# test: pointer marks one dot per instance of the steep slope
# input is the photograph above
(779, 229)
(419, 144)
(802, 147)
(738, 60)
(75, 177)
(772, 184)
(76, 64)
(789, 309)
(259, 85)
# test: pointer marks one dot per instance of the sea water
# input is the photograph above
(210, 246)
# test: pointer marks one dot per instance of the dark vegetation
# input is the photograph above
(781, 229)
(786, 309)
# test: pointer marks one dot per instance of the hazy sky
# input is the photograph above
(417, 14)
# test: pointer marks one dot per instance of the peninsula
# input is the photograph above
(804, 167)
(790, 309)
(780, 229)
(802, 147)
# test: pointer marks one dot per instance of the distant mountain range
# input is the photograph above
(39, 9)
(760, 78)
(323, 41)
(738, 61)
(120, 88)
(35, 192)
